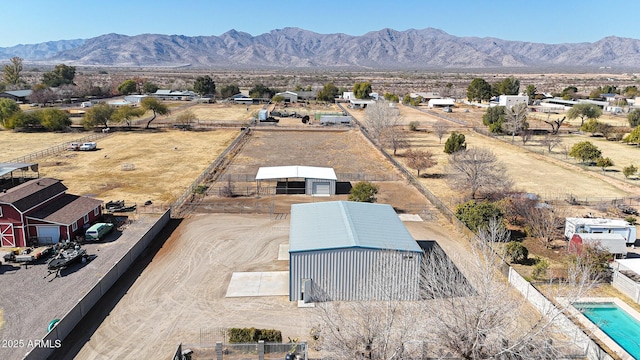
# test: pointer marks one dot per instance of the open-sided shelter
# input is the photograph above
(317, 180)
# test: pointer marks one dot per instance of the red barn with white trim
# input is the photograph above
(41, 209)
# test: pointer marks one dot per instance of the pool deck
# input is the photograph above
(593, 329)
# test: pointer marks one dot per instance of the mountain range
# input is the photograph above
(291, 48)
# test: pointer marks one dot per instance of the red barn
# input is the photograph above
(41, 209)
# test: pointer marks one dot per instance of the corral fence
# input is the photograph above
(57, 148)
(259, 351)
(212, 171)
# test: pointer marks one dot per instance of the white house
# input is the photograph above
(510, 101)
(441, 102)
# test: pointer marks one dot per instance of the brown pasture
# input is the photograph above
(15, 144)
(166, 162)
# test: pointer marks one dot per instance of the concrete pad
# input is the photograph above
(268, 283)
(283, 252)
(410, 217)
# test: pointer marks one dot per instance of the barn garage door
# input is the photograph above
(7, 236)
(48, 234)
(321, 188)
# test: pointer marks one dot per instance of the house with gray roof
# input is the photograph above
(343, 250)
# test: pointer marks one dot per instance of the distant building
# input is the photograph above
(19, 96)
(441, 103)
(510, 101)
(163, 94)
(289, 96)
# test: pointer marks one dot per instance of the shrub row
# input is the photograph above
(248, 335)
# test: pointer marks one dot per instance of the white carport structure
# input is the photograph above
(318, 180)
(441, 102)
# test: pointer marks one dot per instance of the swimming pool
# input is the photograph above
(618, 324)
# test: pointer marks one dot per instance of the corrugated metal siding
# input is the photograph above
(309, 185)
(354, 274)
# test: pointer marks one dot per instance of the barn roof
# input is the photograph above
(25, 196)
(307, 172)
(6, 168)
(346, 224)
(67, 209)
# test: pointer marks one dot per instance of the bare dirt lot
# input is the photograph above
(182, 291)
(165, 163)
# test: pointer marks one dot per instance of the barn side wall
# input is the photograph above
(355, 274)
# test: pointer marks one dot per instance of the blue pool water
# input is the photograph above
(619, 325)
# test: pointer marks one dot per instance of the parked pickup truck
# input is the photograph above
(88, 146)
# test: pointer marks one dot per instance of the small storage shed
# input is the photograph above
(342, 250)
(319, 181)
(613, 243)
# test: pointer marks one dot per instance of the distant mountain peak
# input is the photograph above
(293, 47)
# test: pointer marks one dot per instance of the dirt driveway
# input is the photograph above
(182, 291)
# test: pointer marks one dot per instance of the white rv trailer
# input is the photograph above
(600, 226)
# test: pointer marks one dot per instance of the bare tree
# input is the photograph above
(441, 128)
(379, 116)
(543, 223)
(420, 160)
(526, 135)
(466, 310)
(515, 119)
(555, 124)
(477, 169)
(394, 137)
(549, 141)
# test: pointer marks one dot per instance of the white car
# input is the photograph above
(88, 146)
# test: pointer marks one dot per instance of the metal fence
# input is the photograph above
(234, 178)
(259, 351)
(57, 148)
(211, 171)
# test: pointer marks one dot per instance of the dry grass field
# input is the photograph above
(15, 144)
(165, 162)
(222, 112)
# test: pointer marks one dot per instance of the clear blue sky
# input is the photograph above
(36, 21)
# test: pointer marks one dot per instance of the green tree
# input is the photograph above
(149, 87)
(569, 92)
(11, 72)
(584, 111)
(531, 92)
(23, 120)
(479, 90)
(391, 97)
(126, 114)
(455, 142)
(153, 104)
(261, 91)
(494, 118)
(585, 151)
(8, 108)
(98, 115)
(363, 191)
(127, 87)
(594, 126)
(540, 268)
(361, 90)
(328, 93)
(634, 118)
(516, 252)
(204, 85)
(54, 119)
(631, 91)
(629, 170)
(633, 137)
(228, 91)
(477, 215)
(61, 75)
(278, 99)
(508, 86)
(604, 162)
